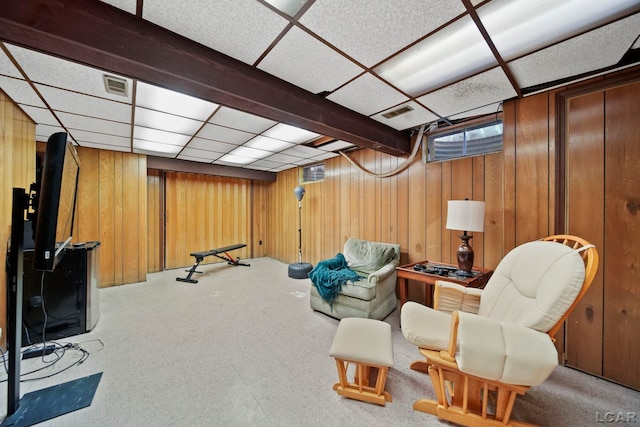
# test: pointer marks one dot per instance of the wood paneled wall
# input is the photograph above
(408, 208)
(112, 208)
(205, 212)
(155, 218)
(17, 170)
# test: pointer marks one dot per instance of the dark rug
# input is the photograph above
(51, 402)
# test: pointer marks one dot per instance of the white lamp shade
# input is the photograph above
(465, 215)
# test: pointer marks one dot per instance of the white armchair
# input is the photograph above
(505, 344)
(374, 295)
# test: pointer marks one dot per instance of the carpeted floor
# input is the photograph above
(243, 348)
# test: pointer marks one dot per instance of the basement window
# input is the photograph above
(473, 140)
(312, 173)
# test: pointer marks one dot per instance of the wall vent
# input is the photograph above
(115, 85)
(397, 112)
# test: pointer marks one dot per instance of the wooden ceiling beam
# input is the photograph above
(99, 35)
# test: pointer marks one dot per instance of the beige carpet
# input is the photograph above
(243, 348)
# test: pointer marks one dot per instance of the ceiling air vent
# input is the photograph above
(394, 113)
(115, 85)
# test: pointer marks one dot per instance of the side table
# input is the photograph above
(407, 272)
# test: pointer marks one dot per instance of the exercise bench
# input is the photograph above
(216, 253)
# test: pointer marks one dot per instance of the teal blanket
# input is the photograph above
(329, 275)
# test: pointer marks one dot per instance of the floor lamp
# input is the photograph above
(299, 270)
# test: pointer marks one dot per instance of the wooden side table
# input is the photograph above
(407, 272)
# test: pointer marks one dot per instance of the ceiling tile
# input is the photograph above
(282, 158)
(41, 68)
(371, 30)
(477, 91)
(242, 29)
(20, 91)
(266, 164)
(481, 111)
(209, 145)
(6, 66)
(40, 115)
(126, 149)
(43, 132)
(92, 124)
(126, 5)
(591, 51)
(302, 151)
(336, 146)
(199, 155)
(367, 95)
(304, 61)
(418, 116)
(240, 120)
(224, 134)
(83, 137)
(72, 102)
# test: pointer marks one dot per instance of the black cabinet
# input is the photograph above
(63, 302)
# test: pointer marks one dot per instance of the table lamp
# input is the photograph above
(465, 215)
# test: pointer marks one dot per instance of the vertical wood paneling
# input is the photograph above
(622, 229)
(17, 170)
(155, 216)
(227, 204)
(532, 173)
(585, 180)
(106, 194)
(112, 208)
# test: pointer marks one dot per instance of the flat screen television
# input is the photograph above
(55, 202)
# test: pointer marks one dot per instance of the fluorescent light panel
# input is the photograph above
(250, 152)
(518, 27)
(163, 137)
(453, 53)
(156, 146)
(168, 101)
(290, 7)
(290, 133)
(164, 121)
(232, 158)
(269, 144)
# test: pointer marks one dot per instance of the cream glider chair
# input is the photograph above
(505, 345)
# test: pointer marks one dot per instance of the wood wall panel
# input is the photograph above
(196, 223)
(532, 169)
(155, 221)
(17, 170)
(585, 216)
(112, 208)
(622, 228)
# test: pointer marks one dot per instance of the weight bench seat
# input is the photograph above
(200, 256)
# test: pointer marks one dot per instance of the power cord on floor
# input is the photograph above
(58, 353)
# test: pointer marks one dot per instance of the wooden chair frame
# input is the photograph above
(465, 399)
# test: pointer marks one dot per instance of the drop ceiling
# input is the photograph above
(438, 61)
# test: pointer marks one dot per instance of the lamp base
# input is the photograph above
(300, 270)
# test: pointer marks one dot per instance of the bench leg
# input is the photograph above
(191, 271)
(231, 260)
